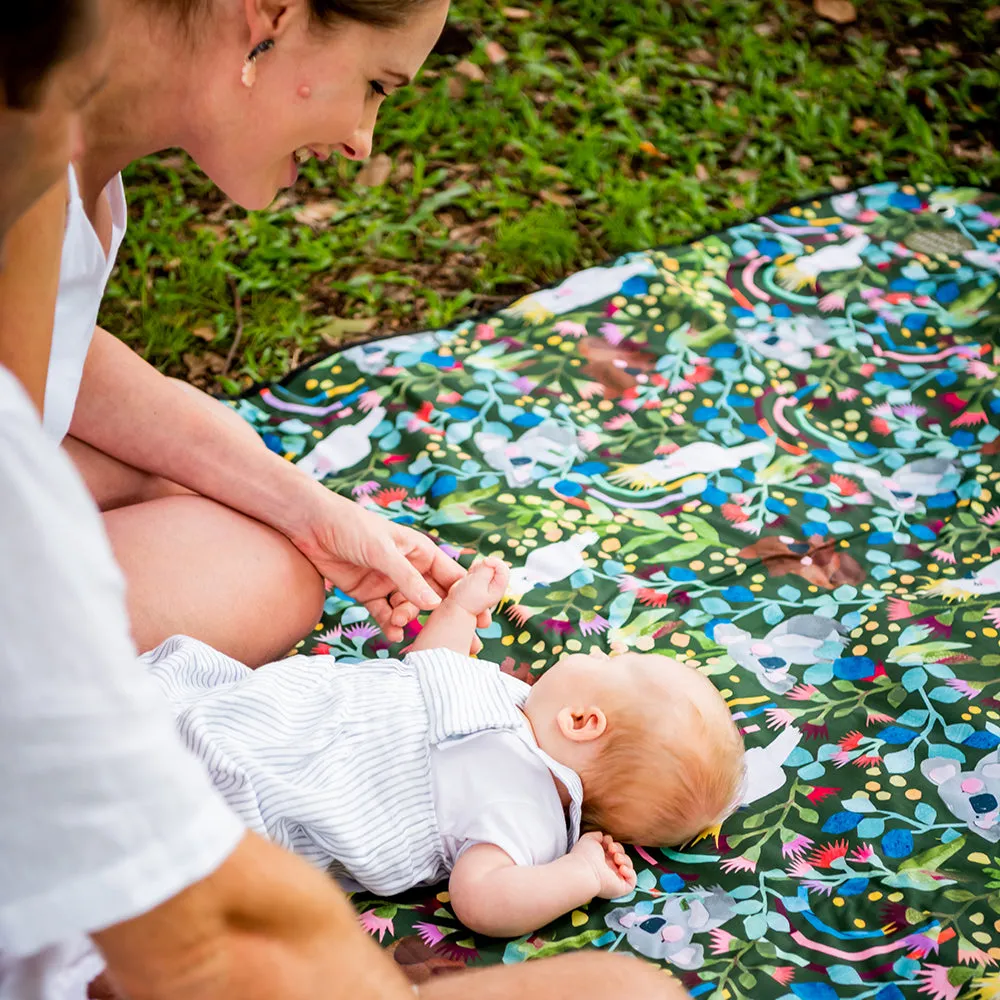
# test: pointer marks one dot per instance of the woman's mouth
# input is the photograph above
(304, 153)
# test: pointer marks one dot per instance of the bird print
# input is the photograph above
(342, 449)
(806, 269)
(550, 564)
(701, 457)
(983, 582)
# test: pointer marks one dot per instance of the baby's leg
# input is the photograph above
(452, 625)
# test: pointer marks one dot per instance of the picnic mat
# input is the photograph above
(773, 453)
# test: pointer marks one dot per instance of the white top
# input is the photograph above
(83, 276)
(492, 789)
(103, 813)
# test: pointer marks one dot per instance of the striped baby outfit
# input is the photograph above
(332, 760)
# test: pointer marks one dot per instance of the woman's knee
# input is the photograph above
(198, 568)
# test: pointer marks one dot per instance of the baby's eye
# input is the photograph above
(377, 88)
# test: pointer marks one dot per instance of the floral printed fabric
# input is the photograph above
(774, 453)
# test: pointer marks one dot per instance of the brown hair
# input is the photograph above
(664, 776)
(376, 13)
(36, 37)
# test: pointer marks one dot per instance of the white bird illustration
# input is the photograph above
(698, 457)
(984, 581)
(982, 258)
(550, 564)
(580, 289)
(345, 447)
(923, 478)
(806, 269)
(763, 771)
(845, 205)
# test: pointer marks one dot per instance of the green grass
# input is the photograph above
(611, 126)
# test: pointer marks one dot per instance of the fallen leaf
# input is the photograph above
(805, 162)
(337, 329)
(172, 264)
(839, 182)
(861, 124)
(950, 48)
(765, 30)
(700, 57)
(700, 172)
(909, 51)
(838, 11)
(470, 71)
(375, 172)
(555, 198)
(650, 150)
(515, 13)
(738, 201)
(456, 88)
(315, 211)
(204, 332)
(746, 176)
(993, 14)
(496, 53)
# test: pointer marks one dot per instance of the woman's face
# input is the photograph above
(318, 89)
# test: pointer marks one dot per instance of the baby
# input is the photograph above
(401, 772)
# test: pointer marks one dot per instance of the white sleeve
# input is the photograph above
(103, 813)
(490, 789)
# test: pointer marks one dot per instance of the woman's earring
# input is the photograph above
(249, 74)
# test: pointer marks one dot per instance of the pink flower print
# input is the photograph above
(796, 847)
(833, 301)
(365, 489)
(778, 718)
(943, 555)
(588, 390)
(993, 614)
(846, 395)
(898, 609)
(720, 940)
(570, 328)
(595, 626)
(617, 422)
(588, 440)
(740, 864)
(367, 401)
(375, 924)
(430, 934)
(863, 853)
(612, 333)
(783, 974)
(992, 518)
(802, 692)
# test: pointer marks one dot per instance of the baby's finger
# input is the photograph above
(477, 645)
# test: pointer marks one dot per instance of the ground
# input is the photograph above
(545, 138)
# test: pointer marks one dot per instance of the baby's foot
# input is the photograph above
(482, 587)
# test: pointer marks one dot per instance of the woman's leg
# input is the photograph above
(197, 568)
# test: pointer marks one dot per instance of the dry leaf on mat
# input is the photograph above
(838, 11)
(375, 172)
(470, 71)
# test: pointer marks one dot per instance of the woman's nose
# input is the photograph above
(360, 146)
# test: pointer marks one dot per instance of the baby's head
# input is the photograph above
(652, 740)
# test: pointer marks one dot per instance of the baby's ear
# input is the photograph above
(581, 725)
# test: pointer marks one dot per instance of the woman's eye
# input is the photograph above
(377, 88)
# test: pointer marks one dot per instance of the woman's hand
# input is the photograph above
(391, 569)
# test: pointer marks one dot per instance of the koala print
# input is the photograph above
(972, 796)
(791, 340)
(797, 641)
(668, 935)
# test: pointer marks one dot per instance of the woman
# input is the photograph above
(218, 537)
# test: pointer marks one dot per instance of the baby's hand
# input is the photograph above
(610, 863)
(482, 587)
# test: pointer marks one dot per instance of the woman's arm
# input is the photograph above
(492, 895)
(129, 410)
(263, 925)
(29, 281)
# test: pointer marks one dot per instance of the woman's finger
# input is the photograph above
(379, 610)
(439, 570)
(407, 580)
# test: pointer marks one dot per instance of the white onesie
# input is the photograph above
(386, 769)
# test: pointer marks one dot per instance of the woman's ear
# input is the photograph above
(582, 725)
(269, 18)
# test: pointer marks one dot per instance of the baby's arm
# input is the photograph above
(494, 896)
(452, 624)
